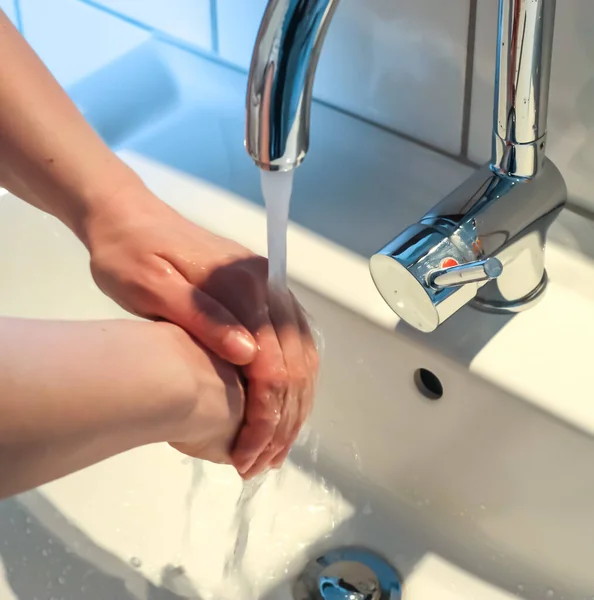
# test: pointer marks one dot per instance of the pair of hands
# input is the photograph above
(158, 265)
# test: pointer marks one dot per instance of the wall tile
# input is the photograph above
(481, 115)
(571, 107)
(8, 6)
(400, 63)
(188, 20)
(238, 22)
(74, 39)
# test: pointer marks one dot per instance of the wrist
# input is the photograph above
(104, 207)
(167, 409)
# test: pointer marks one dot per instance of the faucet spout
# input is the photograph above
(281, 79)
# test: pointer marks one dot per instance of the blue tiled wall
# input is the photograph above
(360, 70)
(10, 8)
(75, 39)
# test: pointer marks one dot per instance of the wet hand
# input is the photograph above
(205, 424)
(158, 265)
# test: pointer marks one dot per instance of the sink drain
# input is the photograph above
(348, 574)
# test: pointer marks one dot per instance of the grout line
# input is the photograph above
(579, 210)
(19, 16)
(169, 39)
(205, 54)
(119, 15)
(214, 26)
(468, 78)
(405, 136)
(161, 36)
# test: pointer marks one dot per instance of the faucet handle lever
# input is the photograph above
(472, 272)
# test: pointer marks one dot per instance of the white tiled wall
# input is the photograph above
(571, 107)
(383, 59)
(399, 63)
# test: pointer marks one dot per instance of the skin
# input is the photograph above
(151, 260)
(73, 394)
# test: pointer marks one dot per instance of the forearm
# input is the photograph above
(72, 394)
(50, 156)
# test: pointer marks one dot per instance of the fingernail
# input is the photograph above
(240, 346)
(243, 468)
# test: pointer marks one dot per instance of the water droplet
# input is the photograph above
(44, 552)
(483, 507)
(50, 541)
(520, 587)
(28, 520)
(136, 562)
(550, 593)
(28, 531)
(367, 510)
(61, 580)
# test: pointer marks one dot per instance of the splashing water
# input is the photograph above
(276, 189)
(197, 476)
(243, 514)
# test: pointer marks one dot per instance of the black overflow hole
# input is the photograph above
(428, 384)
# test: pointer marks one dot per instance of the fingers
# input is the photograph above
(282, 312)
(268, 383)
(301, 363)
(305, 405)
(209, 322)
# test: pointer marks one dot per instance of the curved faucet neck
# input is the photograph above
(281, 81)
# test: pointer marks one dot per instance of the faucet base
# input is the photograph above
(512, 306)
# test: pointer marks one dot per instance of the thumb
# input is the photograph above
(209, 322)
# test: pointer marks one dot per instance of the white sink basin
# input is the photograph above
(479, 495)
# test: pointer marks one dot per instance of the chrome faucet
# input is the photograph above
(484, 243)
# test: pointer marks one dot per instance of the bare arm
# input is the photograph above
(149, 259)
(73, 394)
(51, 157)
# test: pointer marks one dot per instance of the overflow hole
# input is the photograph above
(428, 384)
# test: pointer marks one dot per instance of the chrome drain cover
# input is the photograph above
(348, 574)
